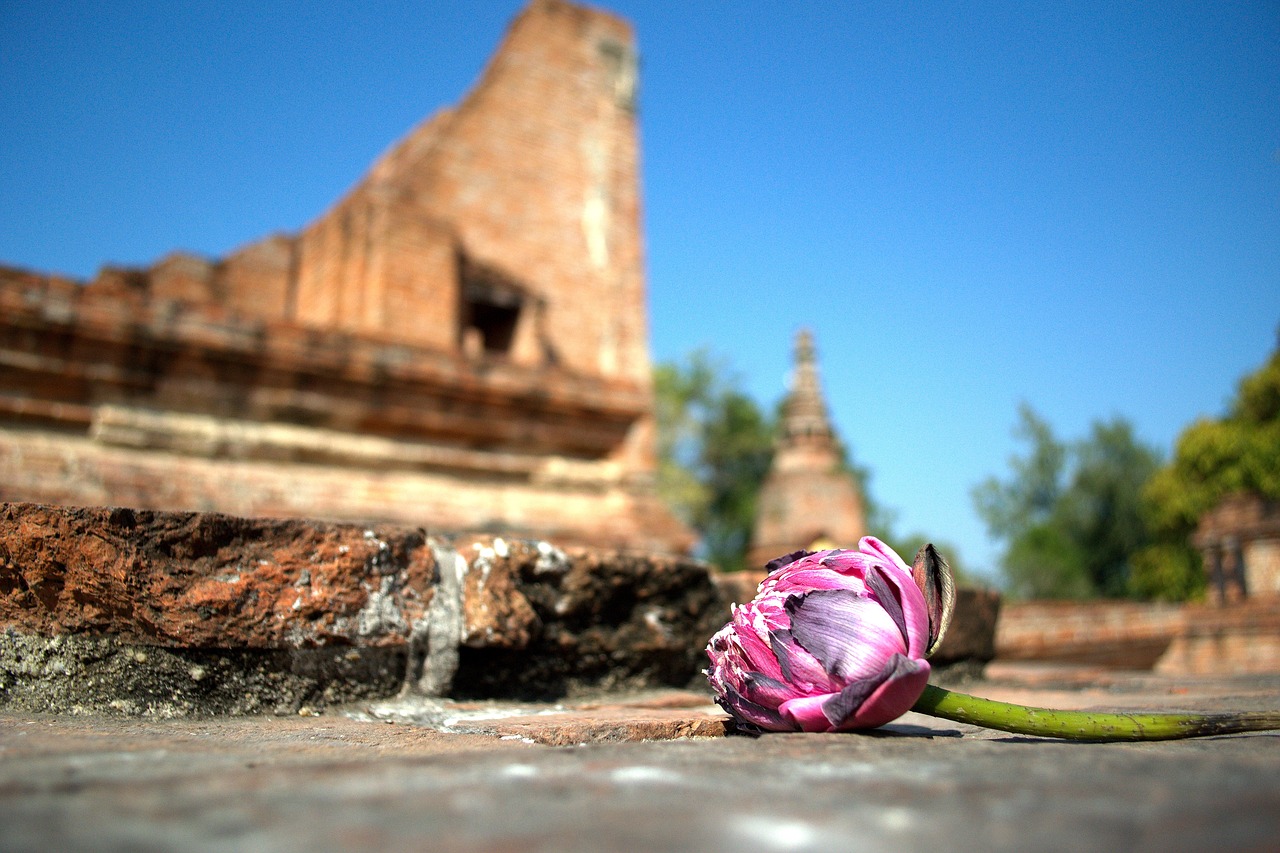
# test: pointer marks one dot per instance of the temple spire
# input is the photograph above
(804, 414)
(808, 500)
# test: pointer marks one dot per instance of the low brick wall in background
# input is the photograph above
(1241, 638)
(1123, 634)
(1183, 639)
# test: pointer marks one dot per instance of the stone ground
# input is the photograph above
(642, 772)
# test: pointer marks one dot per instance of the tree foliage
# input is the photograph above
(1212, 458)
(714, 449)
(1071, 514)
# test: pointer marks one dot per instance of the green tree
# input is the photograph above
(1103, 510)
(1212, 458)
(714, 448)
(1072, 515)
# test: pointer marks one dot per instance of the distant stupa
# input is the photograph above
(808, 499)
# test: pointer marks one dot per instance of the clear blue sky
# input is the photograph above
(971, 204)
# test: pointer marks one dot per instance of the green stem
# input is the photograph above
(1085, 725)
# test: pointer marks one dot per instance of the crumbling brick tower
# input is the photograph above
(459, 342)
(509, 225)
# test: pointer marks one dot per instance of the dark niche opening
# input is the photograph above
(491, 307)
(496, 324)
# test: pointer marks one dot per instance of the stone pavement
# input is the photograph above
(647, 771)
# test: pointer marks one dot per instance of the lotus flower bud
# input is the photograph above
(833, 641)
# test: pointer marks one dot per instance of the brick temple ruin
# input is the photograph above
(460, 341)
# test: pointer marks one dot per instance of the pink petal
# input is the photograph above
(915, 609)
(766, 612)
(806, 712)
(757, 653)
(873, 546)
(891, 700)
(846, 562)
(816, 577)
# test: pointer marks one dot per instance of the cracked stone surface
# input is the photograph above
(492, 776)
(319, 606)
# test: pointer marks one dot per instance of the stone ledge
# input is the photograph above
(608, 718)
(80, 674)
(327, 612)
(206, 580)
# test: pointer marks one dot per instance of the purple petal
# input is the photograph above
(841, 706)
(799, 667)
(786, 560)
(781, 642)
(763, 690)
(745, 711)
(933, 577)
(850, 635)
(879, 584)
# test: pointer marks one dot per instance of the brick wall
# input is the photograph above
(258, 279)
(1194, 638)
(1241, 638)
(591, 510)
(1119, 633)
